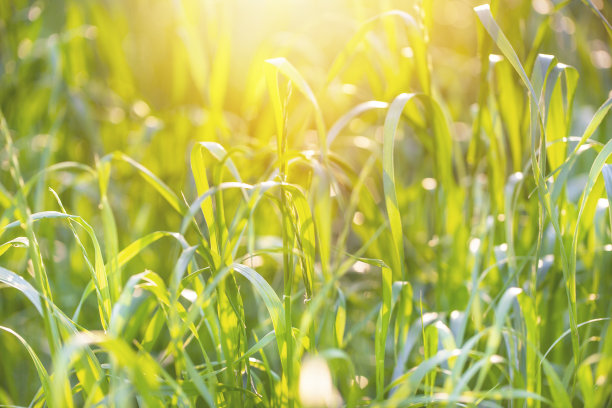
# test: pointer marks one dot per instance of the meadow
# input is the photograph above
(305, 203)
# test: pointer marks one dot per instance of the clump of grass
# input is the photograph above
(342, 236)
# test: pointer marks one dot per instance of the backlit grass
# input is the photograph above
(286, 204)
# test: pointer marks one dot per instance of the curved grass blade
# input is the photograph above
(536, 129)
(142, 370)
(276, 313)
(395, 220)
(19, 242)
(15, 281)
(281, 65)
(40, 368)
(98, 269)
(151, 178)
(443, 161)
(345, 119)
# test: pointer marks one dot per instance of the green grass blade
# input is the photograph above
(15, 281)
(19, 242)
(151, 178)
(40, 368)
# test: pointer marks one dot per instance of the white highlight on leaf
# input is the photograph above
(316, 388)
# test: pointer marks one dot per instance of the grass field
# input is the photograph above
(305, 203)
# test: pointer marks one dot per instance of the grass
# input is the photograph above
(347, 204)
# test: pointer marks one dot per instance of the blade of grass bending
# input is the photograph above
(595, 171)
(596, 120)
(475, 148)
(391, 124)
(537, 127)
(567, 332)
(395, 220)
(260, 344)
(304, 229)
(197, 204)
(382, 323)
(24, 217)
(345, 119)
(300, 217)
(555, 83)
(280, 313)
(281, 65)
(219, 153)
(40, 368)
(272, 68)
(87, 368)
(15, 281)
(214, 220)
(559, 391)
(57, 167)
(98, 270)
(198, 169)
(19, 242)
(142, 370)
(594, 123)
(150, 178)
(133, 249)
(442, 164)
(486, 18)
(322, 208)
(272, 303)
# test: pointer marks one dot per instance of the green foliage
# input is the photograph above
(272, 203)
